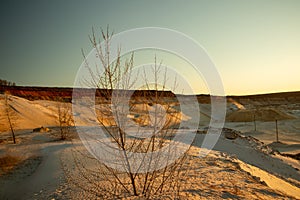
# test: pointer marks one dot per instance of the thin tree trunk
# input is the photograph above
(9, 120)
(277, 140)
(11, 129)
(254, 123)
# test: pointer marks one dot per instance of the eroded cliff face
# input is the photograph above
(65, 94)
(39, 93)
(287, 101)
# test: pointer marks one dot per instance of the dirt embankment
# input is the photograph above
(272, 99)
(39, 93)
(65, 94)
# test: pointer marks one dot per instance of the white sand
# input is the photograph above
(278, 172)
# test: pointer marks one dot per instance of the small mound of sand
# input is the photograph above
(230, 134)
(283, 147)
(41, 130)
(266, 114)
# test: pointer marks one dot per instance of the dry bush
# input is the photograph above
(8, 162)
(64, 119)
(147, 177)
(97, 180)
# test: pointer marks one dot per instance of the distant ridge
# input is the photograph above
(65, 94)
(273, 94)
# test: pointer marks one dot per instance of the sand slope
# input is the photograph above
(244, 158)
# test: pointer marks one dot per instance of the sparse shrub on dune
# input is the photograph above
(100, 179)
(64, 118)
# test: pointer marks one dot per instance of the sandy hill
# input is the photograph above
(239, 168)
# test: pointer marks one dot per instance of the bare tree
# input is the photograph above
(10, 116)
(7, 83)
(148, 109)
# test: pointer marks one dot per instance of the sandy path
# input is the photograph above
(43, 181)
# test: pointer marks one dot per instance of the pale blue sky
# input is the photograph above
(254, 44)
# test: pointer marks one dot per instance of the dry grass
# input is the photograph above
(8, 163)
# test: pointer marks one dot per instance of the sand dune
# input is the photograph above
(250, 160)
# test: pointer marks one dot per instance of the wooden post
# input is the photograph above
(277, 140)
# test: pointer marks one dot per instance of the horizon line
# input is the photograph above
(227, 95)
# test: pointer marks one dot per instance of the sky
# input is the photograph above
(255, 45)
